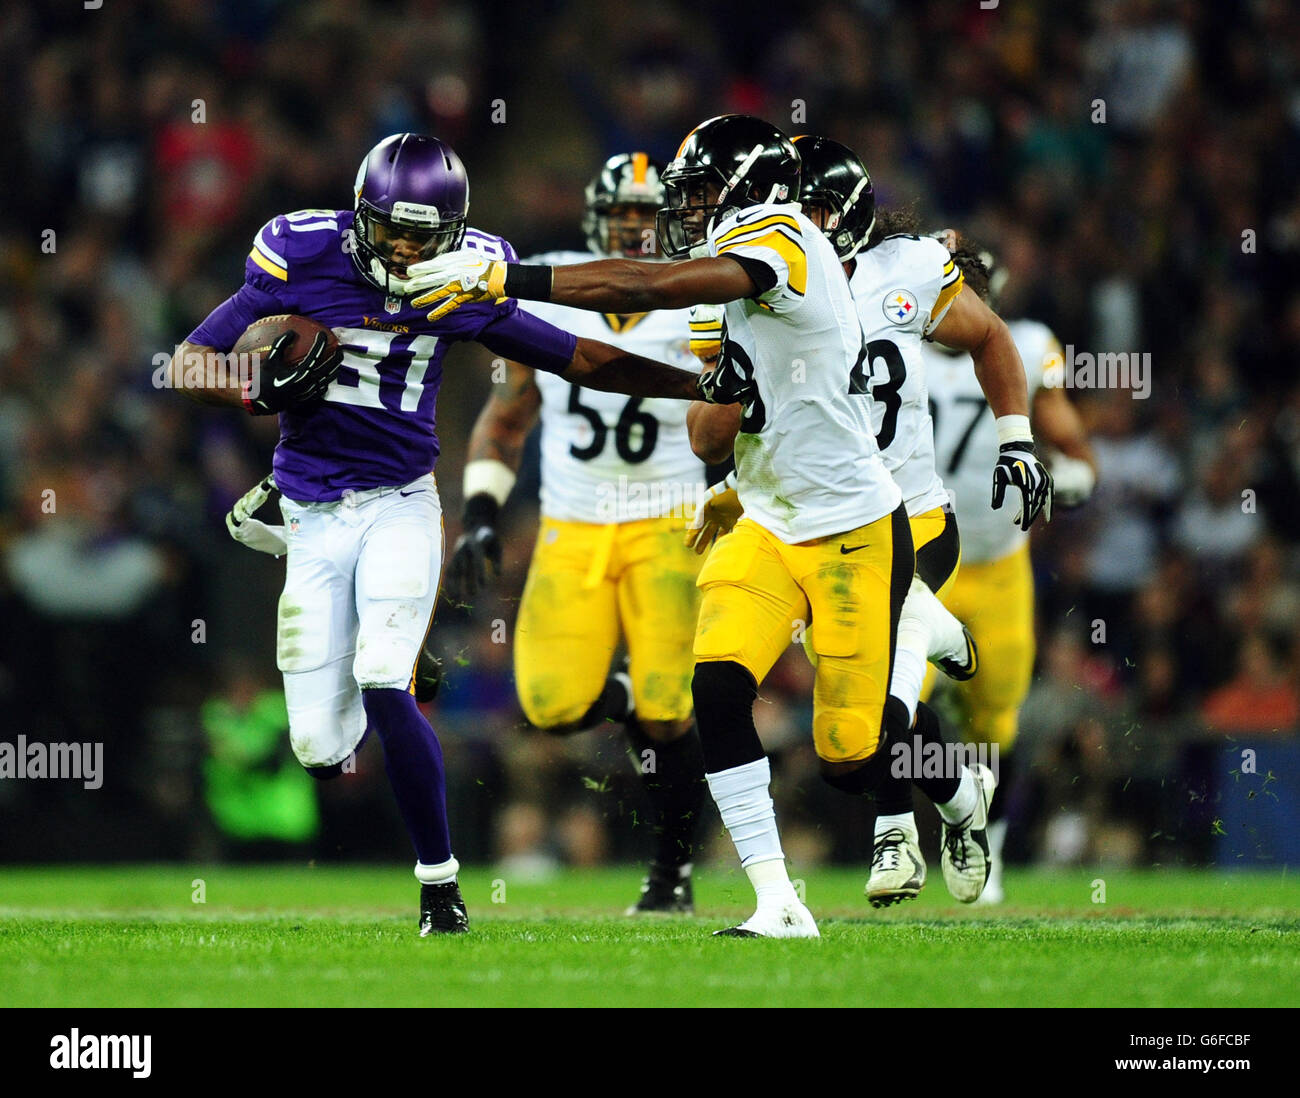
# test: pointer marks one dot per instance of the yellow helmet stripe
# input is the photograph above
(640, 162)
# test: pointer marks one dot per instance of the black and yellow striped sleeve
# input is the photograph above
(776, 236)
(953, 283)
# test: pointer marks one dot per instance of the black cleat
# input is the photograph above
(960, 672)
(736, 932)
(428, 676)
(665, 890)
(442, 911)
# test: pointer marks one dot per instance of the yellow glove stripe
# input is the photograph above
(706, 348)
(496, 279)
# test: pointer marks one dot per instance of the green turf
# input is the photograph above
(336, 936)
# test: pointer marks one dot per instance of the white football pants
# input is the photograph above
(358, 600)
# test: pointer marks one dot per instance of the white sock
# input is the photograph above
(997, 834)
(947, 641)
(771, 883)
(911, 654)
(437, 874)
(745, 805)
(963, 804)
(904, 821)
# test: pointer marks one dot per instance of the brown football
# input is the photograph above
(259, 336)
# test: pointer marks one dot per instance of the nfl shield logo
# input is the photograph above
(293, 525)
(392, 305)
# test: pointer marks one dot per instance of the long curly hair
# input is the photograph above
(904, 220)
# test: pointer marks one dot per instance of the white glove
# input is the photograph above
(249, 531)
(706, 331)
(1072, 480)
(458, 278)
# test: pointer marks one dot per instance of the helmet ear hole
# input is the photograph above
(834, 179)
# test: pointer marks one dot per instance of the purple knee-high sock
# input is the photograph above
(413, 759)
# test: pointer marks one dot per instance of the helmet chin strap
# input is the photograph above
(394, 287)
(848, 205)
(741, 171)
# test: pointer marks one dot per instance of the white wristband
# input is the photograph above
(487, 475)
(1013, 429)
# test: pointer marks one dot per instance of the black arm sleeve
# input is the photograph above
(760, 274)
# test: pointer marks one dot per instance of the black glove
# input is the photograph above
(475, 549)
(727, 384)
(282, 384)
(1019, 467)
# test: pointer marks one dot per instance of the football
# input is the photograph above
(259, 336)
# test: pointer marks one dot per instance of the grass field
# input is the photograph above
(132, 936)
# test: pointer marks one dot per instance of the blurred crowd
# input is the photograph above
(1134, 163)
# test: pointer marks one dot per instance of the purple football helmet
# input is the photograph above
(412, 195)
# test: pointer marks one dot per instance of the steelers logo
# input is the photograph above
(899, 306)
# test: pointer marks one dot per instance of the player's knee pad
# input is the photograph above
(895, 725)
(326, 720)
(844, 731)
(320, 740)
(555, 704)
(724, 694)
(847, 713)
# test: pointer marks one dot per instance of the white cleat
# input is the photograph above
(992, 893)
(791, 920)
(897, 868)
(965, 859)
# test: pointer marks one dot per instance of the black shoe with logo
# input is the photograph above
(442, 911)
(666, 889)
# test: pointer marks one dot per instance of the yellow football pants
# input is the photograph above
(996, 602)
(760, 595)
(585, 581)
(938, 556)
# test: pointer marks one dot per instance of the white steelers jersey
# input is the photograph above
(807, 465)
(966, 440)
(902, 288)
(607, 457)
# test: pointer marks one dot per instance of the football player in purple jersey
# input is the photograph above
(363, 522)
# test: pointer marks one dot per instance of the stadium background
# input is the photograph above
(1173, 228)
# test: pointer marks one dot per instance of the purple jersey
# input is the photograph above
(375, 426)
